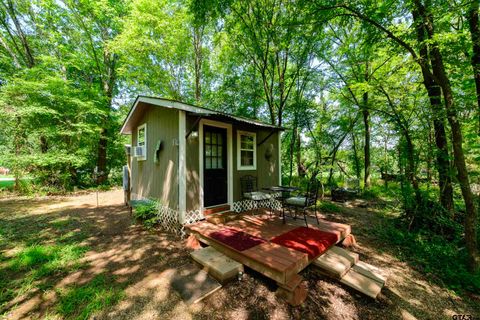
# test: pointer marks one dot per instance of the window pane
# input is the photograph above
(214, 138)
(246, 142)
(246, 158)
(141, 137)
(208, 150)
(214, 151)
(219, 163)
(219, 152)
(208, 163)
(219, 139)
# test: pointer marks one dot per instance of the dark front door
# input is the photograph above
(214, 166)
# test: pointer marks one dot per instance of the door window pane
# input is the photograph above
(214, 150)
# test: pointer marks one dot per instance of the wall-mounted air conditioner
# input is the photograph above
(139, 151)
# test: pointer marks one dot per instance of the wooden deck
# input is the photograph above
(275, 261)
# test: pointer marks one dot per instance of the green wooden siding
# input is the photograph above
(192, 163)
(266, 173)
(267, 170)
(158, 180)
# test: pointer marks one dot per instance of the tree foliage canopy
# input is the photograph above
(370, 90)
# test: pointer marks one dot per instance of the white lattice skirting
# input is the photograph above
(169, 219)
(246, 205)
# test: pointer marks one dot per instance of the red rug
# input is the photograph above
(310, 241)
(236, 239)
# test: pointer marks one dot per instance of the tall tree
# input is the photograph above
(438, 73)
(99, 23)
(474, 25)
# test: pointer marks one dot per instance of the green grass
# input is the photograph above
(329, 207)
(432, 254)
(5, 184)
(45, 260)
(41, 250)
(81, 301)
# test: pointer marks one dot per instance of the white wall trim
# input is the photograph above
(239, 164)
(229, 158)
(182, 174)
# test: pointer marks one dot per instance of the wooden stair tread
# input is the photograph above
(370, 271)
(336, 261)
(362, 283)
(217, 264)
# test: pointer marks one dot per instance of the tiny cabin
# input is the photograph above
(192, 159)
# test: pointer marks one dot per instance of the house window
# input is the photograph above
(141, 149)
(246, 150)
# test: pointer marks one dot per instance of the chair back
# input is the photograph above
(248, 183)
(312, 191)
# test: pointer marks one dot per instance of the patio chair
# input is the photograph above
(305, 201)
(249, 190)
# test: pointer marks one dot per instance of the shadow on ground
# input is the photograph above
(125, 272)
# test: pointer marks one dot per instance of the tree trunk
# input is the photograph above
(110, 61)
(197, 50)
(410, 168)
(27, 51)
(292, 150)
(102, 157)
(442, 154)
(473, 22)
(43, 144)
(355, 157)
(385, 160)
(434, 94)
(429, 154)
(300, 168)
(457, 141)
(366, 123)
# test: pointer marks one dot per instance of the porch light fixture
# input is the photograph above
(193, 135)
(158, 149)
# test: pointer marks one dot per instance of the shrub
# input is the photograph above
(147, 213)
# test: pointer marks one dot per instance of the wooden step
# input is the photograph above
(336, 261)
(216, 209)
(371, 272)
(193, 284)
(217, 264)
(222, 217)
(362, 283)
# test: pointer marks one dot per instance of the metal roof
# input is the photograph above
(173, 104)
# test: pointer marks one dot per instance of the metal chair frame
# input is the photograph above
(248, 184)
(311, 197)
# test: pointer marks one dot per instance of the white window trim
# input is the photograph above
(239, 162)
(143, 126)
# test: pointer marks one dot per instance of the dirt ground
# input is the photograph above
(143, 262)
